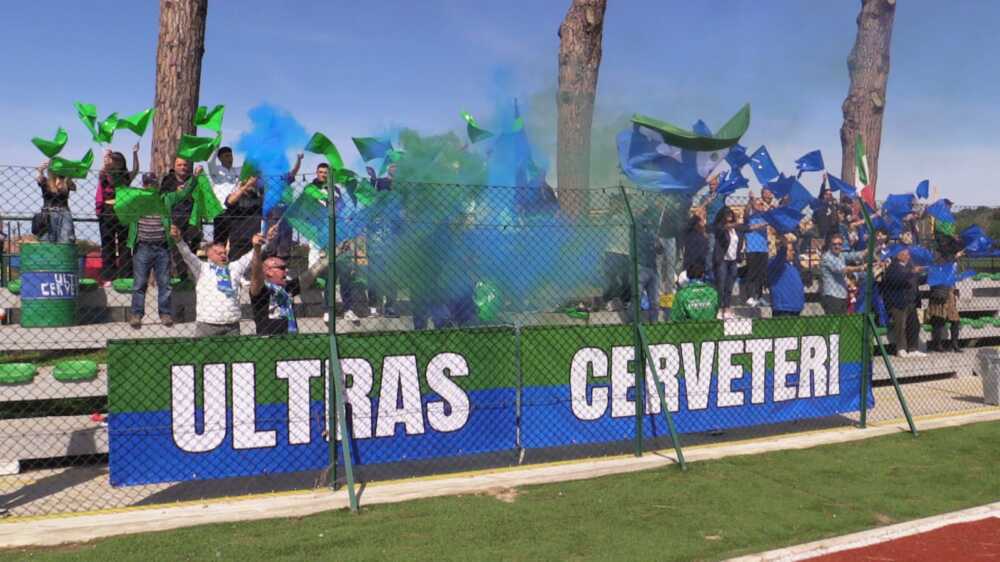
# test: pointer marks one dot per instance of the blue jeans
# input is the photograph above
(649, 285)
(725, 278)
(61, 229)
(145, 257)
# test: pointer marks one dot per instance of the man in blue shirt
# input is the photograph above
(787, 291)
(835, 269)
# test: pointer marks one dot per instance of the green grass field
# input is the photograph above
(717, 509)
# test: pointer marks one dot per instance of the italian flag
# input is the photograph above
(861, 175)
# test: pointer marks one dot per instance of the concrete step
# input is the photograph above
(45, 438)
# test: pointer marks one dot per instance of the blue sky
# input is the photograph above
(367, 68)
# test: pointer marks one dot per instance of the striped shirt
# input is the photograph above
(151, 229)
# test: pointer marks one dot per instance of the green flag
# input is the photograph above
(132, 203)
(371, 148)
(206, 206)
(198, 149)
(391, 157)
(106, 129)
(363, 192)
(209, 119)
(70, 168)
(88, 114)
(476, 133)
(136, 123)
(319, 144)
(52, 147)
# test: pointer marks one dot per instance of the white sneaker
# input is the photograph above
(372, 311)
(719, 315)
(902, 353)
(751, 302)
(729, 315)
(351, 317)
(917, 353)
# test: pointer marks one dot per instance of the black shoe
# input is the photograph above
(167, 320)
(955, 347)
(135, 321)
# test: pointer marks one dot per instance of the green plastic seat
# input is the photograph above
(14, 286)
(927, 327)
(320, 283)
(73, 371)
(88, 284)
(123, 285)
(17, 373)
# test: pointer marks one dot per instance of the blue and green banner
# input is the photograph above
(243, 406)
(580, 383)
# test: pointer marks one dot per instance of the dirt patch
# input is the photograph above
(506, 495)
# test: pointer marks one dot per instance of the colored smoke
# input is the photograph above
(266, 146)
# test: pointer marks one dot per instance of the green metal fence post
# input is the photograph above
(518, 395)
(640, 363)
(337, 387)
(866, 332)
(661, 394)
(892, 376)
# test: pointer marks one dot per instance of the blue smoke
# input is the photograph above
(273, 134)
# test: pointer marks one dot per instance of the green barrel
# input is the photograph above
(49, 284)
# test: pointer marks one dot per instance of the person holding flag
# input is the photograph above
(787, 290)
(901, 292)
(272, 293)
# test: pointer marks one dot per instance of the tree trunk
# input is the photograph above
(868, 65)
(579, 62)
(178, 76)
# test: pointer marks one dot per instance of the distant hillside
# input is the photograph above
(986, 217)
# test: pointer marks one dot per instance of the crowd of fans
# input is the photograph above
(722, 246)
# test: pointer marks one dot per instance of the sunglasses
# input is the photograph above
(283, 266)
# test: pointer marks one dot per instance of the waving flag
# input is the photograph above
(52, 147)
(837, 184)
(87, 112)
(210, 119)
(811, 162)
(137, 123)
(946, 274)
(781, 186)
(133, 203)
(862, 175)
(660, 156)
(730, 181)
(944, 221)
(798, 196)
(198, 149)
(72, 168)
(371, 148)
(783, 219)
(206, 206)
(923, 189)
(898, 205)
(475, 132)
(919, 254)
(737, 157)
(976, 240)
(762, 165)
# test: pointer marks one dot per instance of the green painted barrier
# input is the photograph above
(73, 371)
(49, 285)
(17, 373)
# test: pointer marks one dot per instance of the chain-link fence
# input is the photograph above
(477, 326)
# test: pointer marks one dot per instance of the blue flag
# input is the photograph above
(737, 157)
(762, 165)
(940, 210)
(924, 189)
(783, 219)
(798, 196)
(652, 164)
(837, 184)
(946, 274)
(918, 254)
(976, 240)
(811, 162)
(898, 205)
(781, 186)
(730, 181)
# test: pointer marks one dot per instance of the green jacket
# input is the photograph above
(169, 200)
(696, 301)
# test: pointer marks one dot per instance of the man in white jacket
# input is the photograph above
(218, 284)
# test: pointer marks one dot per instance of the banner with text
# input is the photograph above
(241, 406)
(580, 384)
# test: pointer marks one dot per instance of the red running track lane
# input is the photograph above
(975, 541)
